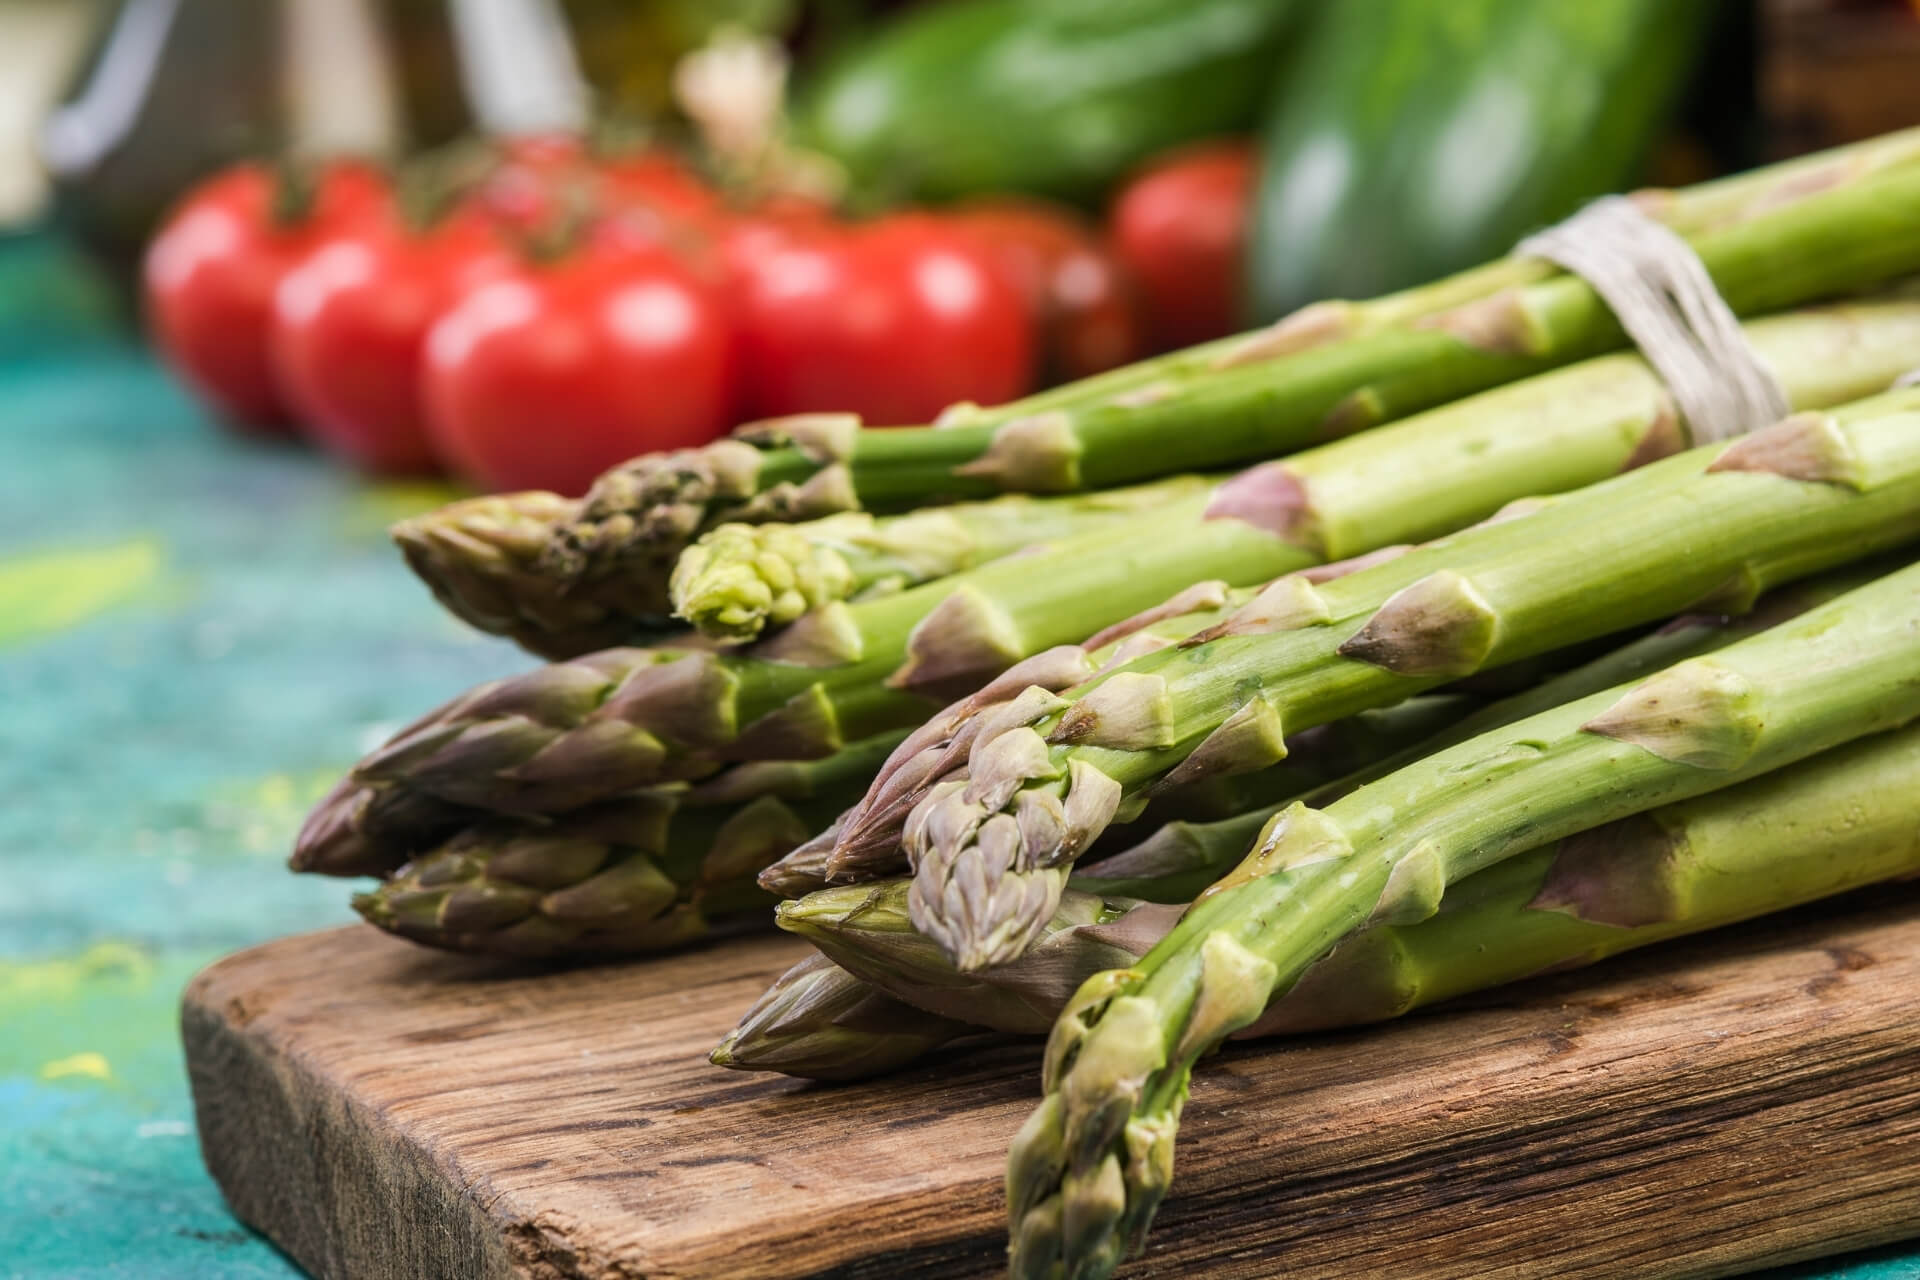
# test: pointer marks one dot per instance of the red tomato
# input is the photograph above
(893, 321)
(1079, 298)
(212, 270)
(1180, 229)
(552, 373)
(349, 323)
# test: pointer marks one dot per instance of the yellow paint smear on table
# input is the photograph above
(92, 1065)
(41, 979)
(52, 591)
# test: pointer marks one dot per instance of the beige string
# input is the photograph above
(1665, 300)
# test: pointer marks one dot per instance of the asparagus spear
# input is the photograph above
(479, 557)
(1340, 750)
(611, 722)
(665, 866)
(740, 578)
(1716, 525)
(636, 874)
(1688, 210)
(1276, 394)
(1091, 1165)
(1846, 818)
(814, 1023)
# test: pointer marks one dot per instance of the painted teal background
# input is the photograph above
(196, 635)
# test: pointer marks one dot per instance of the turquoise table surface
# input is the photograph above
(196, 636)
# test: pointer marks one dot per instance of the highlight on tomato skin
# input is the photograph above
(210, 274)
(549, 374)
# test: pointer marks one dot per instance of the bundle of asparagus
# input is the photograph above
(1222, 761)
(568, 577)
(993, 839)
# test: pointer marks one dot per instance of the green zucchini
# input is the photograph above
(1054, 97)
(1413, 138)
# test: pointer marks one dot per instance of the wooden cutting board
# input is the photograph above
(381, 1111)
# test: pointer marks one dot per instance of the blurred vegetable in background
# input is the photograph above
(1180, 229)
(1407, 138)
(176, 89)
(546, 376)
(349, 323)
(1076, 291)
(1052, 97)
(212, 272)
(893, 320)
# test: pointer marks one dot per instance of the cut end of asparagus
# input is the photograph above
(740, 579)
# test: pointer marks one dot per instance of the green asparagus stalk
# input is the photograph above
(637, 874)
(1690, 210)
(1094, 1161)
(1283, 391)
(1846, 818)
(619, 720)
(814, 1023)
(1712, 527)
(739, 579)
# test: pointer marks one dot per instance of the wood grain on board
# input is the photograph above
(385, 1112)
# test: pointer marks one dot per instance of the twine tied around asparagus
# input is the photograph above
(1663, 297)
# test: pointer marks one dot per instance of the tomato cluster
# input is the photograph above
(567, 311)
